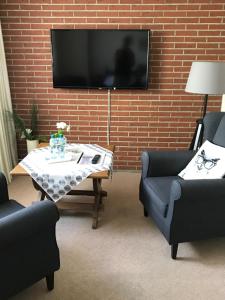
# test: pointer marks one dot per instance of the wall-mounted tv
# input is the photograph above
(95, 58)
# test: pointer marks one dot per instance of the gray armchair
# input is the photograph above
(184, 210)
(28, 248)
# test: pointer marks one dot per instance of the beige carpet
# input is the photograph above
(127, 257)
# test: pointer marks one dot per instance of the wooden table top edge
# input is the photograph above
(20, 171)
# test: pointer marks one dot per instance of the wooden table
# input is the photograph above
(97, 191)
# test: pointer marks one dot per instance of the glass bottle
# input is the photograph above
(53, 146)
(61, 145)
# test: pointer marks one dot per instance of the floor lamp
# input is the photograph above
(206, 78)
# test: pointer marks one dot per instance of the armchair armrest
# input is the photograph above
(164, 163)
(196, 210)
(27, 222)
(198, 190)
(4, 196)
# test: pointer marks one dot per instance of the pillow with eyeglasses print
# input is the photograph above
(203, 162)
(208, 163)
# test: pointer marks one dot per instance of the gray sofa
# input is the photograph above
(184, 210)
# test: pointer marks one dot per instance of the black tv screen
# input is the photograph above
(93, 58)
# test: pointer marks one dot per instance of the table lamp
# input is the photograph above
(207, 78)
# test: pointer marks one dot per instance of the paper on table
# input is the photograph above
(87, 159)
(69, 156)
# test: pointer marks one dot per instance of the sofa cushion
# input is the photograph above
(158, 189)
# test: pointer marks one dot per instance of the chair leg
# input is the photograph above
(50, 281)
(174, 248)
(145, 213)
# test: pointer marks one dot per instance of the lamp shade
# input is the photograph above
(206, 78)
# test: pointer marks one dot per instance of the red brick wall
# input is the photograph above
(162, 117)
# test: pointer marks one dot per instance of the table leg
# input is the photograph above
(38, 188)
(97, 192)
(98, 200)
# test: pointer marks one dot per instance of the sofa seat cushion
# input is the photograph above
(9, 207)
(158, 191)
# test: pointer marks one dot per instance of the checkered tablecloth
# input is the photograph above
(58, 178)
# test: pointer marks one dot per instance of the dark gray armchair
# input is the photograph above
(184, 210)
(28, 248)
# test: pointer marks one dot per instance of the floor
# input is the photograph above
(126, 258)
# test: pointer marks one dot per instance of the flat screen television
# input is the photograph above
(95, 58)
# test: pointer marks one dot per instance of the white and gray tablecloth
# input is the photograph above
(58, 178)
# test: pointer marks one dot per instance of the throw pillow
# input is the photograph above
(208, 163)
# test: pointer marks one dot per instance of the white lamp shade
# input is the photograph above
(223, 103)
(206, 78)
